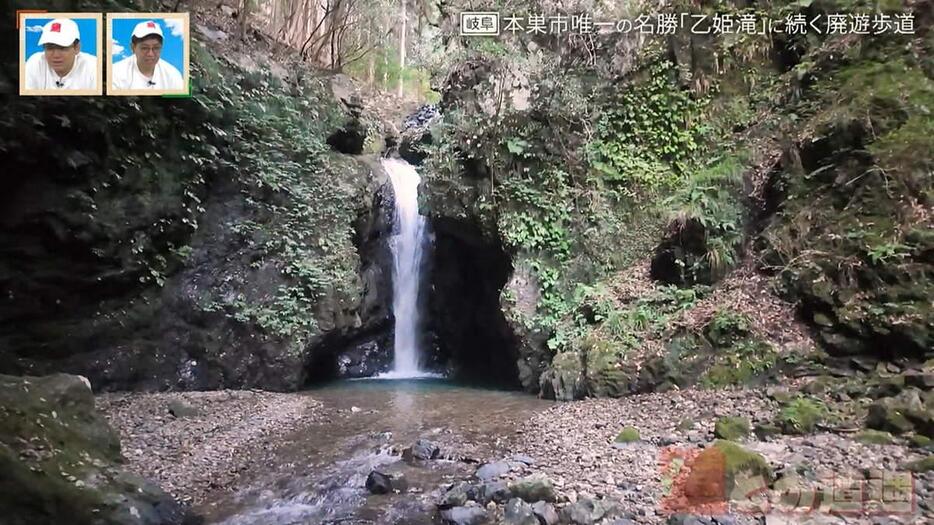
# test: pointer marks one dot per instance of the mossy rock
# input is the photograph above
(732, 428)
(724, 469)
(874, 437)
(740, 364)
(685, 425)
(919, 441)
(764, 431)
(61, 460)
(902, 414)
(627, 435)
(801, 415)
(564, 380)
(921, 465)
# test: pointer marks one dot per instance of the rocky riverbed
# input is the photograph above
(199, 443)
(256, 457)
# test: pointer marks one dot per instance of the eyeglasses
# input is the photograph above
(149, 49)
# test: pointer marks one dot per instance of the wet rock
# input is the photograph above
(423, 450)
(180, 408)
(533, 488)
(471, 515)
(378, 483)
(496, 491)
(922, 380)
(545, 512)
(584, 512)
(493, 470)
(458, 495)
(518, 512)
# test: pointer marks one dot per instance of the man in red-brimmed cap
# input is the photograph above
(61, 64)
(145, 69)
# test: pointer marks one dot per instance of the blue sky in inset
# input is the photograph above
(173, 43)
(87, 29)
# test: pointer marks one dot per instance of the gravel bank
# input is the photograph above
(572, 444)
(202, 452)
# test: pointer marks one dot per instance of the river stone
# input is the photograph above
(518, 512)
(378, 483)
(492, 470)
(522, 458)
(497, 491)
(472, 515)
(545, 512)
(584, 512)
(422, 449)
(458, 495)
(533, 488)
(180, 409)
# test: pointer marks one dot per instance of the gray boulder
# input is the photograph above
(518, 512)
(492, 470)
(545, 512)
(583, 512)
(422, 449)
(533, 488)
(472, 515)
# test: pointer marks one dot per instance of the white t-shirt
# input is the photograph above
(40, 75)
(125, 75)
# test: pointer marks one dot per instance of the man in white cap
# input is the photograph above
(145, 69)
(61, 64)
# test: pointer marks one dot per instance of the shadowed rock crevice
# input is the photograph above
(470, 332)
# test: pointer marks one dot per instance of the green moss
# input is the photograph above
(732, 428)
(685, 425)
(920, 441)
(922, 465)
(736, 462)
(874, 437)
(627, 435)
(801, 415)
(740, 364)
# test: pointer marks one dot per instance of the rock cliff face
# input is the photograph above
(703, 160)
(61, 461)
(233, 239)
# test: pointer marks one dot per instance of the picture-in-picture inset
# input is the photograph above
(148, 54)
(60, 54)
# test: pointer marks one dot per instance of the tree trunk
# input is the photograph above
(402, 53)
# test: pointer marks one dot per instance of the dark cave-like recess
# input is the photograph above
(471, 335)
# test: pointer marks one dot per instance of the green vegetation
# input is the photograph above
(874, 437)
(802, 415)
(627, 435)
(645, 135)
(732, 428)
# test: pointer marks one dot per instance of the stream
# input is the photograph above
(318, 476)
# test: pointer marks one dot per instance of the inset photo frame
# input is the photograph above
(61, 54)
(148, 54)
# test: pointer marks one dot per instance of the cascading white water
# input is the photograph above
(407, 246)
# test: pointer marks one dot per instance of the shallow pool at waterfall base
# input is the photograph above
(316, 475)
(394, 375)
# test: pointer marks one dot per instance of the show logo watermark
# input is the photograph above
(702, 481)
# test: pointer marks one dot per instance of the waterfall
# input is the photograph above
(406, 245)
